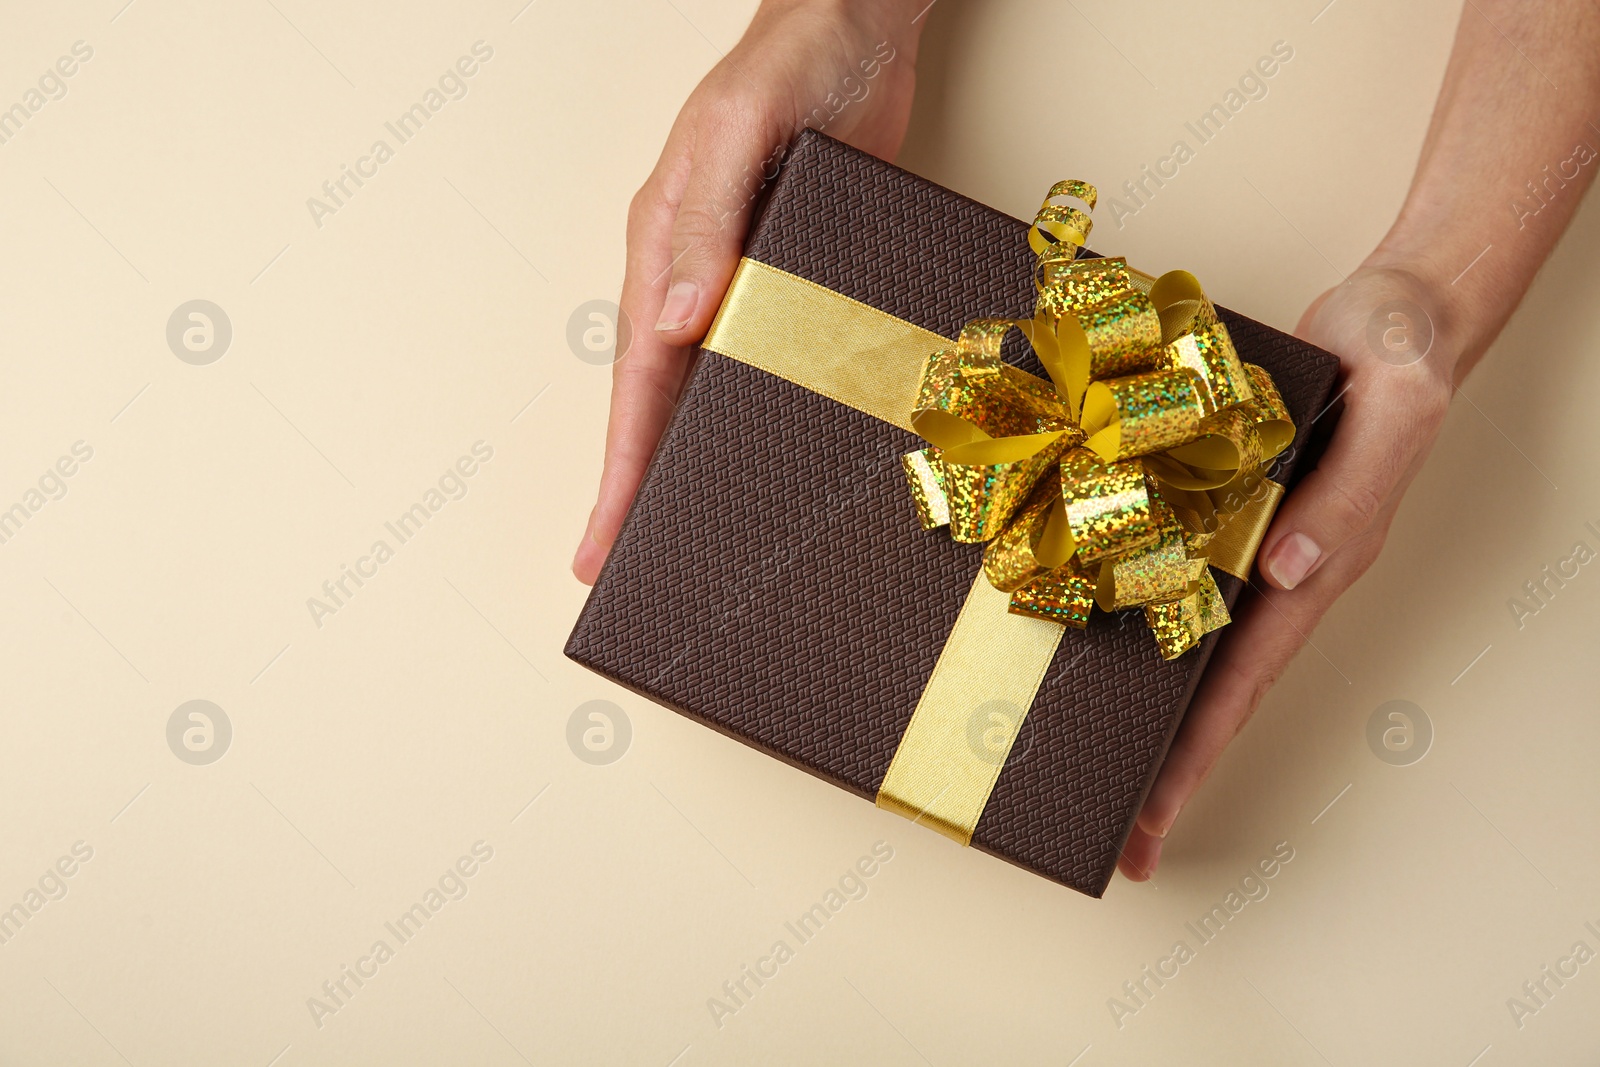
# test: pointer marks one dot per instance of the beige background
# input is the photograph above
(372, 752)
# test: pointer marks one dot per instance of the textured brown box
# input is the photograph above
(772, 582)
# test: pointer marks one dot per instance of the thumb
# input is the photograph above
(1389, 421)
(1395, 401)
(729, 168)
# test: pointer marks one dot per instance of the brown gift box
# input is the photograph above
(772, 582)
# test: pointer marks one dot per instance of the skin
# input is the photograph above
(687, 224)
(1520, 91)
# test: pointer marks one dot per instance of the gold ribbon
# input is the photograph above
(1107, 488)
(821, 341)
(968, 716)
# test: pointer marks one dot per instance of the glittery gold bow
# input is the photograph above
(1110, 482)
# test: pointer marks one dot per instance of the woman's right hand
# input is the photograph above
(843, 66)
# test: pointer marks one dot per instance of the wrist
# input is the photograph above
(898, 22)
(1429, 276)
(1470, 277)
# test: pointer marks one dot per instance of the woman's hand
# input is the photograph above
(841, 66)
(1506, 162)
(1398, 363)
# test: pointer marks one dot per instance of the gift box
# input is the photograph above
(782, 577)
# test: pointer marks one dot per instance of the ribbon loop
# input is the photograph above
(1142, 413)
(1065, 596)
(1062, 224)
(1154, 574)
(1179, 624)
(1120, 335)
(1107, 506)
(1269, 413)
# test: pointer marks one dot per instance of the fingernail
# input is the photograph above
(1153, 826)
(1142, 854)
(681, 299)
(1292, 559)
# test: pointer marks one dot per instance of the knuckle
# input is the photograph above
(1437, 404)
(1356, 503)
(696, 223)
(645, 202)
(1255, 682)
(652, 390)
(1417, 408)
(646, 374)
(1264, 683)
(1429, 403)
(734, 110)
(1363, 552)
(1258, 690)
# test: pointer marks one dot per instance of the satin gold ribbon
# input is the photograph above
(970, 713)
(1233, 550)
(822, 341)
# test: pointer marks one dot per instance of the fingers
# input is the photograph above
(1268, 629)
(645, 380)
(1138, 860)
(1391, 417)
(733, 154)
(1324, 538)
(686, 229)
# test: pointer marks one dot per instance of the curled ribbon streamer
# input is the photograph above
(1109, 483)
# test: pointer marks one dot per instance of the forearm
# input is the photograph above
(1511, 150)
(898, 22)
